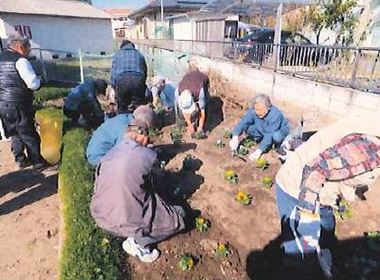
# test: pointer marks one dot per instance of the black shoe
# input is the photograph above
(23, 164)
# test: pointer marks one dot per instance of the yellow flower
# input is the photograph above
(241, 195)
(221, 246)
(201, 221)
(190, 262)
(229, 173)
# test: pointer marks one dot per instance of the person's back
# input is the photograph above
(79, 95)
(193, 81)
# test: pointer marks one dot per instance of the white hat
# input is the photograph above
(186, 102)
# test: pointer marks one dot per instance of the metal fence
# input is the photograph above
(357, 68)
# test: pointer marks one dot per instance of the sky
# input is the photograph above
(134, 4)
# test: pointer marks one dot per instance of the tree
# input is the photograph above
(336, 15)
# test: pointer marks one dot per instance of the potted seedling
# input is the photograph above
(227, 134)
(176, 135)
(373, 240)
(202, 224)
(231, 176)
(186, 263)
(262, 164)
(220, 144)
(188, 162)
(267, 181)
(243, 198)
(222, 250)
(344, 210)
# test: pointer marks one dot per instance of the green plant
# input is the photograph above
(242, 151)
(247, 142)
(202, 224)
(243, 198)
(227, 134)
(219, 144)
(198, 135)
(176, 135)
(231, 176)
(186, 263)
(344, 210)
(49, 93)
(154, 132)
(87, 251)
(262, 164)
(267, 181)
(222, 250)
(373, 240)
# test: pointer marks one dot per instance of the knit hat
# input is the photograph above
(186, 102)
(143, 117)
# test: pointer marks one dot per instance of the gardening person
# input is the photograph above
(112, 132)
(264, 123)
(18, 81)
(191, 99)
(162, 93)
(341, 156)
(82, 100)
(125, 203)
(128, 77)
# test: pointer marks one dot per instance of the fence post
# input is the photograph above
(356, 65)
(44, 73)
(81, 66)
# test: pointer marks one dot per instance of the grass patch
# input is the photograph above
(49, 93)
(87, 252)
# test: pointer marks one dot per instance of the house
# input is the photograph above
(122, 25)
(57, 25)
(151, 24)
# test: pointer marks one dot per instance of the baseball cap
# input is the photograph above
(143, 116)
(186, 102)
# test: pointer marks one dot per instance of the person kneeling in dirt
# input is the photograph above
(264, 123)
(112, 131)
(191, 99)
(162, 93)
(82, 101)
(125, 202)
(340, 157)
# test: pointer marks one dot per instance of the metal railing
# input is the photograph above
(357, 68)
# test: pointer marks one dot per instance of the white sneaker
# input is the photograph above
(145, 255)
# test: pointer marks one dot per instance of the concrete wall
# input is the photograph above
(63, 33)
(334, 100)
(182, 29)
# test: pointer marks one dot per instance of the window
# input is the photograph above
(24, 30)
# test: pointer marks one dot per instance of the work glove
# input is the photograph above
(234, 143)
(255, 155)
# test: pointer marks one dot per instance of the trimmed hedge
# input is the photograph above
(87, 252)
(49, 93)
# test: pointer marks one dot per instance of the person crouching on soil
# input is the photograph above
(342, 156)
(264, 123)
(125, 202)
(82, 100)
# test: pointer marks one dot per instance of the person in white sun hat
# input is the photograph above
(191, 96)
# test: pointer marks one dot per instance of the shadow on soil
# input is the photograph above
(37, 185)
(215, 113)
(352, 260)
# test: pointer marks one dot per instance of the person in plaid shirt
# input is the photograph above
(128, 77)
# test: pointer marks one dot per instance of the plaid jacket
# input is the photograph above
(355, 154)
(127, 60)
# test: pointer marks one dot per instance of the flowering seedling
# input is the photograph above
(267, 181)
(188, 161)
(202, 224)
(231, 176)
(243, 198)
(176, 135)
(227, 134)
(186, 263)
(242, 151)
(344, 210)
(220, 144)
(373, 240)
(247, 142)
(222, 250)
(262, 164)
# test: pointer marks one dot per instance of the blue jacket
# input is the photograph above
(106, 136)
(274, 121)
(83, 94)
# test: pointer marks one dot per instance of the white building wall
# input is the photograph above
(64, 33)
(182, 29)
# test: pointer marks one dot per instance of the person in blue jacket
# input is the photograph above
(82, 100)
(264, 123)
(112, 132)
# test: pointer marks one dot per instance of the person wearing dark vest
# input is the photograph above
(128, 75)
(17, 83)
(191, 96)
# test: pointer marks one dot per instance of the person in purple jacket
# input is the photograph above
(264, 123)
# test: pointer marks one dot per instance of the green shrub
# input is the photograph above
(49, 93)
(87, 252)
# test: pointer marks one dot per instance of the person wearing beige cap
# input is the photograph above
(191, 97)
(162, 92)
(112, 132)
(125, 202)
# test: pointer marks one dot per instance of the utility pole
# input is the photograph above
(162, 12)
